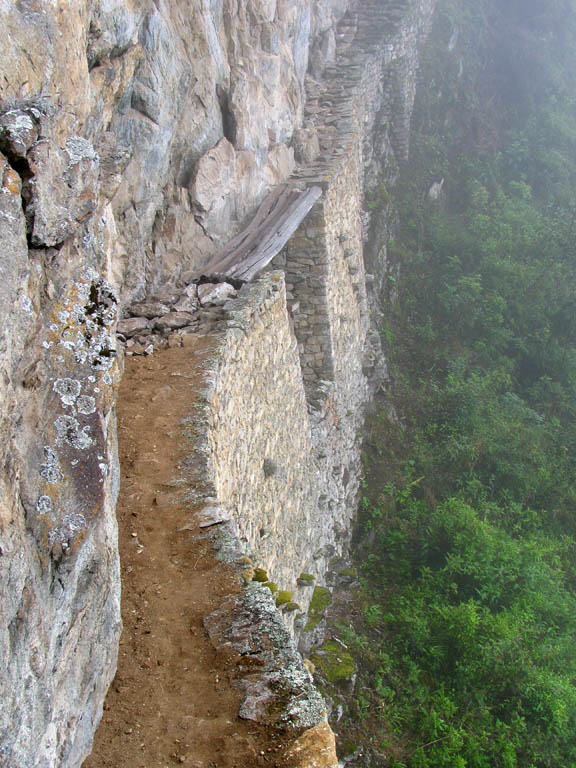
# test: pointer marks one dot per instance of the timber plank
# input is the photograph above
(278, 217)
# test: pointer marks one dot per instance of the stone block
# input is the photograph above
(174, 320)
(131, 326)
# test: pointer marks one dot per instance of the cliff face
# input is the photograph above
(135, 139)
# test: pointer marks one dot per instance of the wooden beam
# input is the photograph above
(278, 217)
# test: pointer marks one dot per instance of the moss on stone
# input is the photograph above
(306, 580)
(334, 661)
(290, 606)
(271, 586)
(349, 572)
(283, 596)
(260, 575)
(321, 599)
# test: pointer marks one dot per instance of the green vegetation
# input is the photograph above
(260, 575)
(321, 599)
(291, 606)
(283, 596)
(468, 558)
(334, 662)
(306, 580)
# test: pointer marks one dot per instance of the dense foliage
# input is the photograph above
(467, 644)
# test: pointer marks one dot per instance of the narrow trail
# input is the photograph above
(173, 700)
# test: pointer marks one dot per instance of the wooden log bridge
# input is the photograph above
(275, 222)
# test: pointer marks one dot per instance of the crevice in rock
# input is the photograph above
(138, 106)
(22, 168)
(229, 124)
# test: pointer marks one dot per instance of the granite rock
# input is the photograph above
(215, 293)
(148, 309)
(64, 189)
(18, 131)
(281, 692)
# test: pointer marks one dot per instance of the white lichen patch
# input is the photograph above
(44, 506)
(78, 312)
(50, 469)
(86, 404)
(27, 305)
(79, 149)
(68, 431)
(68, 391)
(67, 528)
(83, 290)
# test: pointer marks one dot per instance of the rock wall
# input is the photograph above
(135, 139)
(260, 441)
(265, 458)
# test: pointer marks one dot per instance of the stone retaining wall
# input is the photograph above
(259, 437)
(263, 455)
(286, 417)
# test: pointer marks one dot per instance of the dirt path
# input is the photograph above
(173, 699)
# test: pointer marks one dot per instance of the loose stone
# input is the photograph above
(173, 320)
(132, 326)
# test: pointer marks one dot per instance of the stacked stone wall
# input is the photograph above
(269, 460)
(259, 437)
(305, 263)
(363, 98)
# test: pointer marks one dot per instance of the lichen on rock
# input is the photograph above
(282, 691)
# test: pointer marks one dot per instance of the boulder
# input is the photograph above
(215, 293)
(18, 131)
(315, 748)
